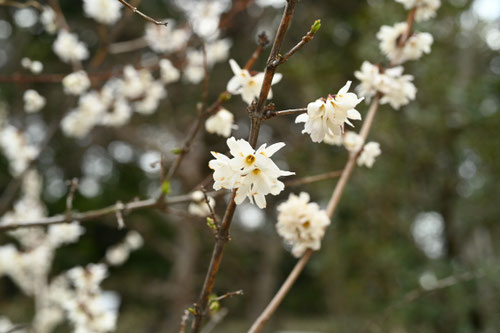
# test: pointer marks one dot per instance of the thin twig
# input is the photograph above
(144, 16)
(226, 295)
(313, 179)
(26, 4)
(210, 208)
(73, 185)
(97, 213)
(119, 215)
(184, 318)
(288, 112)
(128, 46)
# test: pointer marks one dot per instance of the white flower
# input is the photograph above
(59, 234)
(334, 140)
(370, 78)
(204, 16)
(199, 205)
(246, 85)
(221, 123)
(117, 254)
(48, 19)
(134, 240)
(426, 9)
(33, 101)
(168, 71)
(80, 121)
(88, 278)
(329, 116)
(103, 11)
(35, 66)
(397, 88)
(301, 223)
(153, 94)
(76, 83)
(370, 151)
(118, 115)
(68, 48)
(17, 149)
(251, 172)
(353, 142)
(415, 46)
(166, 39)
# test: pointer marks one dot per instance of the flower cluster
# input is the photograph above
(370, 151)
(251, 172)
(119, 253)
(247, 85)
(113, 106)
(17, 149)
(397, 51)
(396, 89)
(33, 101)
(425, 9)
(221, 123)
(34, 66)
(103, 11)
(328, 116)
(301, 223)
(68, 48)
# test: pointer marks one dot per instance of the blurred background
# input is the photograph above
(427, 210)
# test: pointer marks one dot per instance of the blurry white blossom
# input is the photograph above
(301, 223)
(274, 3)
(204, 16)
(251, 172)
(33, 101)
(81, 120)
(370, 151)
(168, 71)
(103, 11)
(247, 85)
(353, 142)
(334, 140)
(221, 123)
(17, 149)
(48, 19)
(134, 240)
(415, 46)
(76, 83)
(426, 9)
(216, 51)
(199, 205)
(118, 114)
(396, 88)
(166, 39)
(328, 116)
(117, 255)
(68, 48)
(34, 66)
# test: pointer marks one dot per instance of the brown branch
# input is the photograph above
(306, 39)
(97, 213)
(313, 179)
(26, 4)
(256, 117)
(332, 205)
(144, 16)
(226, 295)
(272, 114)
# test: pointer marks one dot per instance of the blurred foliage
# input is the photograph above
(440, 154)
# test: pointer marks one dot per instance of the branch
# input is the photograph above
(272, 114)
(226, 295)
(332, 205)
(97, 213)
(144, 16)
(313, 179)
(256, 117)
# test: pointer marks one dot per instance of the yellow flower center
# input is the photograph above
(250, 159)
(256, 171)
(306, 224)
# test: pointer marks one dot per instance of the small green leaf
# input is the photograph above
(211, 224)
(315, 27)
(192, 310)
(214, 307)
(165, 187)
(176, 151)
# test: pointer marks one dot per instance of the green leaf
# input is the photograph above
(315, 27)
(165, 187)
